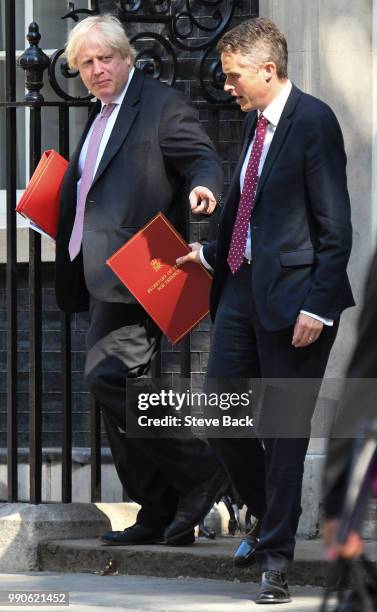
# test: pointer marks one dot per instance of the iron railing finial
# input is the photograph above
(34, 61)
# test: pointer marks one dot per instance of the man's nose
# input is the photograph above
(97, 66)
(228, 87)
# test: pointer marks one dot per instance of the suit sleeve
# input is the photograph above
(357, 400)
(209, 252)
(329, 206)
(186, 146)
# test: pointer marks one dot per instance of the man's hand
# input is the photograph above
(202, 201)
(306, 331)
(352, 547)
(193, 256)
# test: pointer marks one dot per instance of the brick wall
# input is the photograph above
(51, 358)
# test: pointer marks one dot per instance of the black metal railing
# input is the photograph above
(37, 66)
(11, 274)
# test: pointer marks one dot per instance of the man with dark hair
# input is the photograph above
(280, 281)
(142, 151)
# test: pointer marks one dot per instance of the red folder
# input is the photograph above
(41, 199)
(176, 297)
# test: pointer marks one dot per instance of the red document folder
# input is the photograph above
(176, 298)
(41, 199)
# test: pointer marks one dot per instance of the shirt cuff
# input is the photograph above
(204, 261)
(328, 322)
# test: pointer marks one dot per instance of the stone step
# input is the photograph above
(204, 559)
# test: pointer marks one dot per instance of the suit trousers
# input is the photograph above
(267, 470)
(122, 342)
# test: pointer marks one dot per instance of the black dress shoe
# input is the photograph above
(195, 505)
(245, 554)
(183, 540)
(136, 534)
(274, 588)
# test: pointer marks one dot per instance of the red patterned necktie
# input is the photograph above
(245, 207)
(87, 178)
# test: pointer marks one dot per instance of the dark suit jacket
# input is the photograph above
(301, 229)
(358, 400)
(157, 152)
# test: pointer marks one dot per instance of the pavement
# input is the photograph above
(197, 578)
(209, 559)
(95, 593)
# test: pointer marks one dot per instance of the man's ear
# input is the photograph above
(269, 70)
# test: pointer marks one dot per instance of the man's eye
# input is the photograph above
(107, 58)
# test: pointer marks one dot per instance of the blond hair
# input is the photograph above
(106, 29)
(259, 40)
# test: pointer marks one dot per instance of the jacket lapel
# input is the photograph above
(70, 179)
(72, 171)
(74, 161)
(126, 116)
(249, 133)
(280, 135)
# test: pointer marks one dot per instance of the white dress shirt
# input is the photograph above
(107, 133)
(272, 113)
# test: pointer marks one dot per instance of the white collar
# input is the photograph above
(273, 111)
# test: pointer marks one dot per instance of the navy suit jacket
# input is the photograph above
(301, 227)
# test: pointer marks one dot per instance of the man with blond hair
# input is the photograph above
(280, 283)
(142, 151)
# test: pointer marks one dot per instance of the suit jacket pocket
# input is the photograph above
(302, 257)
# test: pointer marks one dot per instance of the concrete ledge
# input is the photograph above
(204, 559)
(120, 515)
(112, 491)
(123, 515)
(80, 455)
(24, 526)
(48, 246)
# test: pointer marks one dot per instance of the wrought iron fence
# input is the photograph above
(165, 33)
